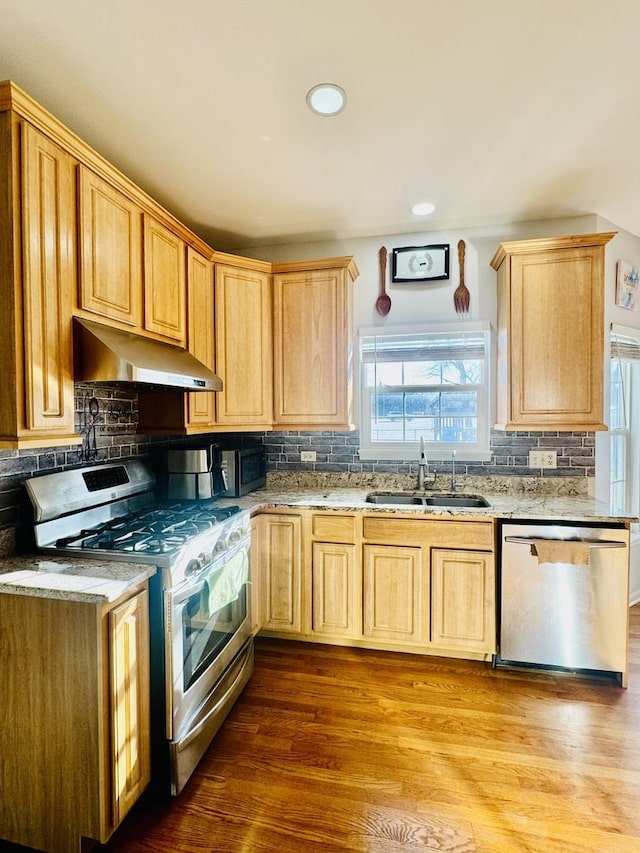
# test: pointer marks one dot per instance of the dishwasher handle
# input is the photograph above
(592, 543)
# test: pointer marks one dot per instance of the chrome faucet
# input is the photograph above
(424, 478)
(454, 485)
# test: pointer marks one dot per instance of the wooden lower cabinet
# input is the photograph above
(336, 590)
(128, 644)
(395, 592)
(463, 614)
(75, 738)
(277, 560)
(382, 581)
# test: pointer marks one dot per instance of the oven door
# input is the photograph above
(208, 622)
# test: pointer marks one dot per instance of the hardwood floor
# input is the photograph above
(332, 749)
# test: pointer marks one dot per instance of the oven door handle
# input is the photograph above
(193, 733)
(180, 593)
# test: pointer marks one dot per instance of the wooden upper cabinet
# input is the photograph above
(110, 252)
(200, 340)
(49, 281)
(132, 267)
(551, 333)
(313, 344)
(164, 282)
(243, 344)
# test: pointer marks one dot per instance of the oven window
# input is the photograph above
(212, 615)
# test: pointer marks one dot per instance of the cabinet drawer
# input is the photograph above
(333, 528)
(407, 531)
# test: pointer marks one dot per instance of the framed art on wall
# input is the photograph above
(627, 283)
(420, 263)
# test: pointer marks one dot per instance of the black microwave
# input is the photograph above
(245, 470)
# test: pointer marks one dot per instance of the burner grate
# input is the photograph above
(158, 529)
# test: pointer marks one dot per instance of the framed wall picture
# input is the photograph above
(627, 283)
(420, 263)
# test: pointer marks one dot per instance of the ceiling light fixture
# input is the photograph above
(424, 208)
(326, 99)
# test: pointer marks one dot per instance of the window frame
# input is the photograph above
(479, 451)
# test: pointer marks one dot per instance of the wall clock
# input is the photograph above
(420, 263)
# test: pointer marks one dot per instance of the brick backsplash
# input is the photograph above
(338, 452)
(106, 418)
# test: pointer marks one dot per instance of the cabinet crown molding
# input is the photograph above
(546, 244)
(15, 99)
(346, 262)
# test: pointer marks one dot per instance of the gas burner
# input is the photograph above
(162, 529)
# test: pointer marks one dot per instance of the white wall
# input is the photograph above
(427, 302)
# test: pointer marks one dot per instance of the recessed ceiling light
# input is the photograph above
(326, 99)
(424, 208)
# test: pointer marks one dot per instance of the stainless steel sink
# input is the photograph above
(382, 498)
(412, 499)
(456, 500)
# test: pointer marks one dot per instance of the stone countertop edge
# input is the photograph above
(103, 581)
(71, 578)
(564, 508)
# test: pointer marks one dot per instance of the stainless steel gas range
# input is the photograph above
(201, 642)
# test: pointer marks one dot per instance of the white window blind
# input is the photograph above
(429, 383)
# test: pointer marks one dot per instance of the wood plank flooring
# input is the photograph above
(332, 749)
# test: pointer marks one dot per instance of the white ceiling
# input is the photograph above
(495, 110)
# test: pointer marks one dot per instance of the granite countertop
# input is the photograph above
(99, 581)
(71, 578)
(507, 505)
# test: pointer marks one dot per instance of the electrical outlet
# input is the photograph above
(307, 456)
(543, 459)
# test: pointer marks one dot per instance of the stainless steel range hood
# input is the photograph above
(109, 356)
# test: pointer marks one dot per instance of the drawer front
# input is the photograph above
(407, 531)
(333, 528)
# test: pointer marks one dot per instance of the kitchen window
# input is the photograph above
(624, 420)
(427, 382)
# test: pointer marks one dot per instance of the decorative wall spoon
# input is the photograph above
(383, 302)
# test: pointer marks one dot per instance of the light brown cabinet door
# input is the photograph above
(551, 333)
(280, 566)
(164, 282)
(49, 281)
(110, 252)
(129, 700)
(200, 406)
(463, 612)
(336, 590)
(312, 348)
(395, 593)
(243, 346)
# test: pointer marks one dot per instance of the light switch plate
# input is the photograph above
(307, 456)
(543, 459)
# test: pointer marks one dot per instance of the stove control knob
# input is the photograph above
(193, 567)
(222, 545)
(236, 536)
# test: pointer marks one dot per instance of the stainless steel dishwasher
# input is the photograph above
(564, 597)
